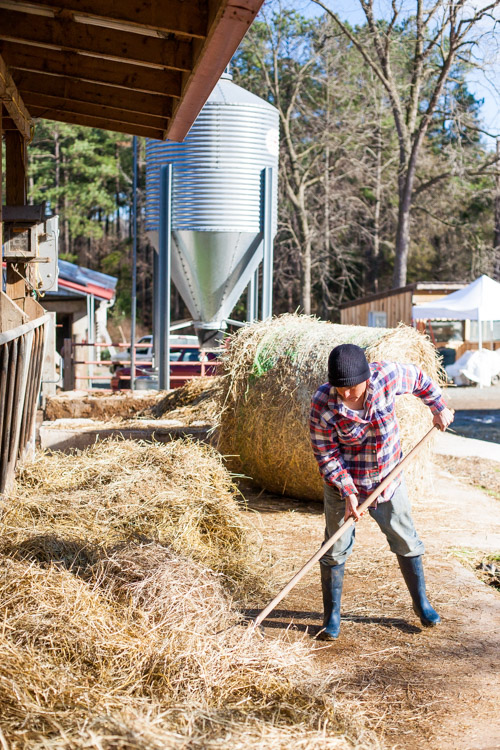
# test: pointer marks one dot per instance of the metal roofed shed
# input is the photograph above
(81, 306)
(222, 207)
(87, 281)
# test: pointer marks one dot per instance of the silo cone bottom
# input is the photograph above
(210, 338)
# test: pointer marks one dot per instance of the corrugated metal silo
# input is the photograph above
(217, 199)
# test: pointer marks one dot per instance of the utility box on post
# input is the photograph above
(32, 240)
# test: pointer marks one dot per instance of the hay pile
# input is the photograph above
(177, 494)
(117, 568)
(194, 403)
(271, 370)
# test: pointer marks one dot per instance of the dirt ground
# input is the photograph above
(417, 688)
(474, 471)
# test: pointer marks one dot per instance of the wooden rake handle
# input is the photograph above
(346, 525)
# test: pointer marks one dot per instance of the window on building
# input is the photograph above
(377, 319)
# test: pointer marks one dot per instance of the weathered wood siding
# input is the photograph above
(397, 307)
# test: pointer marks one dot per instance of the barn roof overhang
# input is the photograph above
(142, 67)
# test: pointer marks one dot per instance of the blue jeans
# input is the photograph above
(393, 517)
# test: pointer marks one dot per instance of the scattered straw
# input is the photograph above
(271, 370)
(193, 402)
(118, 566)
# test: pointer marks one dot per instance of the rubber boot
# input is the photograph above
(413, 573)
(332, 580)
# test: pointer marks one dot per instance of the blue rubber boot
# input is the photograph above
(413, 573)
(332, 580)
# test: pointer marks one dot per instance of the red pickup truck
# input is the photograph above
(186, 362)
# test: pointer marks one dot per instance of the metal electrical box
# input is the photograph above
(21, 227)
(31, 238)
(48, 253)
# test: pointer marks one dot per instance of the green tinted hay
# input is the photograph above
(271, 371)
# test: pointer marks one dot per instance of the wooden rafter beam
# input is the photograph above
(13, 103)
(84, 68)
(50, 103)
(64, 33)
(148, 105)
(98, 122)
(228, 24)
(163, 16)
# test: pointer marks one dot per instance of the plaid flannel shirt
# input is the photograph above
(355, 453)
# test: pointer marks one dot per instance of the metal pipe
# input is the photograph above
(30, 385)
(178, 326)
(4, 367)
(267, 261)
(34, 382)
(156, 309)
(91, 336)
(22, 369)
(134, 270)
(251, 300)
(237, 323)
(165, 249)
(256, 293)
(7, 415)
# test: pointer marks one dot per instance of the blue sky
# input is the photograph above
(483, 84)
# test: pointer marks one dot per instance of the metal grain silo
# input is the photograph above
(222, 202)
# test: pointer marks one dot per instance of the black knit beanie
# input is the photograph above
(347, 366)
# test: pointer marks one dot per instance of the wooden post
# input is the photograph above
(15, 164)
(15, 195)
(68, 368)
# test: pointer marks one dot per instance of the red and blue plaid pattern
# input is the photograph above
(355, 453)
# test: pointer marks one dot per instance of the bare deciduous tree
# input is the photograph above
(412, 57)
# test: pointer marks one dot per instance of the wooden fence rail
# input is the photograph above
(21, 359)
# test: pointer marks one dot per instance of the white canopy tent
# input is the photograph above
(479, 301)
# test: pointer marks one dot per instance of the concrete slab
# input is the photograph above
(448, 444)
(471, 397)
(71, 434)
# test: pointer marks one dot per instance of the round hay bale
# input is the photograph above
(272, 369)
